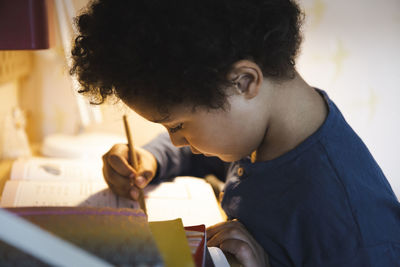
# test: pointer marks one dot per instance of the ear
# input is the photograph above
(246, 77)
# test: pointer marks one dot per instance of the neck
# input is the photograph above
(296, 112)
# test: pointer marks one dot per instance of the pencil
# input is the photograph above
(133, 162)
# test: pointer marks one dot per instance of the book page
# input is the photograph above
(56, 169)
(191, 199)
(50, 193)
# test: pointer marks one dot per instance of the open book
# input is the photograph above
(64, 182)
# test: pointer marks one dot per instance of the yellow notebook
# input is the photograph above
(172, 243)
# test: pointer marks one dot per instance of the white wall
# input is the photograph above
(351, 50)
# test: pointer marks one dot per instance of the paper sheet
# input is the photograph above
(191, 199)
(218, 257)
(56, 169)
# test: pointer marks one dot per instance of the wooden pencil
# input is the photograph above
(133, 161)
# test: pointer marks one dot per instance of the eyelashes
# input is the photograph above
(176, 128)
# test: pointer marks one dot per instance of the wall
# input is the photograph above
(351, 50)
(49, 102)
(13, 66)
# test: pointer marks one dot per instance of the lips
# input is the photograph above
(194, 151)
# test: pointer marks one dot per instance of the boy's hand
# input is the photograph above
(232, 237)
(119, 174)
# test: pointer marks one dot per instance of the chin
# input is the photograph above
(225, 157)
(229, 158)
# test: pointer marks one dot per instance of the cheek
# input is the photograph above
(218, 138)
(207, 139)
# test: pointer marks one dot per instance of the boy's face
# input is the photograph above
(229, 134)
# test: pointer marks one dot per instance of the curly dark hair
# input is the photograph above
(180, 51)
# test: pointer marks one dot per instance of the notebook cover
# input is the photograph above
(120, 236)
(171, 240)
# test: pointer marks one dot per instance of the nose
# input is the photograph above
(178, 140)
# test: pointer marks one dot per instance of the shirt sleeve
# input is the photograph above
(173, 161)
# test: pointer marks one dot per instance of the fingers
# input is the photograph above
(233, 225)
(242, 251)
(230, 229)
(234, 238)
(116, 170)
(117, 158)
(134, 192)
(120, 175)
(147, 168)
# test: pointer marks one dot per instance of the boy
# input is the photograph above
(301, 189)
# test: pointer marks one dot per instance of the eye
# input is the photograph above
(176, 128)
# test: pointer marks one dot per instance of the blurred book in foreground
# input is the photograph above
(51, 192)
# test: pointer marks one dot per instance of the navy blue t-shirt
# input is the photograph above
(324, 203)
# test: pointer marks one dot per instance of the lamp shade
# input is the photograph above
(23, 25)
